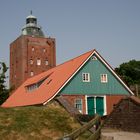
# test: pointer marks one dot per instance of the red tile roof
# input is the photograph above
(57, 78)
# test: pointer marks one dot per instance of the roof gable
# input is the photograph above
(95, 68)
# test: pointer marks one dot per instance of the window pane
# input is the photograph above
(104, 78)
(86, 77)
(38, 62)
(78, 104)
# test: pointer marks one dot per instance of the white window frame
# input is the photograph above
(44, 50)
(78, 104)
(104, 78)
(86, 77)
(33, 49)
(38, 62)
(31, 61)
(46, 62)
(31, 73)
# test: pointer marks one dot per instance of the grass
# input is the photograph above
(36, 123)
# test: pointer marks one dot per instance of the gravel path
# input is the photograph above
(121, 135)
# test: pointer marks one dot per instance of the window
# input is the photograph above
(32, 87)
(94, 58)
(46, 62)
(38, 61)
(31, 61)
(78, 104)
(31, 73)
(104, 78)
(35, 86)
(33, 48)
(44, 50)
(86, 77)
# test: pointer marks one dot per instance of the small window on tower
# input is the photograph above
(38, 61)
(33, 49)
(31, 62)
(44, 50)
(46, 62)
(31, 73)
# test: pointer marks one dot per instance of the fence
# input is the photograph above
(94, 123)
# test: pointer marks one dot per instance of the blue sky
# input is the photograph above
(112, 27)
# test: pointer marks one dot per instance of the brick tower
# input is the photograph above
(31, 53)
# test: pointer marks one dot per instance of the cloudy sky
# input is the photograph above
(112, 27)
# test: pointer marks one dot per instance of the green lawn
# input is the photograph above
(35, 123)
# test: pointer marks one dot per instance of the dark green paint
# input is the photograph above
(90, 105)
(100, 105)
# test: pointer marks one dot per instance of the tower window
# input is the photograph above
(31, 73)
(33, 49)
(31, 62)
(46, 62)
(44, 50)
(86, 77)
(38, 61)
(104, 78)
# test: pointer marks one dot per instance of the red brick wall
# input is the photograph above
(111, 101)
(21, 53)
(71, 99)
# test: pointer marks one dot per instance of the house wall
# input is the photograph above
(113, 90)
(125, 116)
(71, 99)
(94, 87)
(21, 53)
(109, 103)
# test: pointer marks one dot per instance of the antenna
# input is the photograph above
(31, 12)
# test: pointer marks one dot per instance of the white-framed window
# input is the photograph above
(104, 78)
(46, 62)
(86, 77)
(33, 48)
(31, 61)
(78, 104)
(38, 61)
(31, 73)
(44, 50)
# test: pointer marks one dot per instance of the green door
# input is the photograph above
(90, 105)
(100, 105)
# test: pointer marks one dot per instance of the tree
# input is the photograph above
(4, 92)
(130, 72)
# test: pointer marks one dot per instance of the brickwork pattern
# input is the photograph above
(125, 116)
(25, 51)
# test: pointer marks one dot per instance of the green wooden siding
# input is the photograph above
(94, 87)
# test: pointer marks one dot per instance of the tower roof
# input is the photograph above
(31, 28)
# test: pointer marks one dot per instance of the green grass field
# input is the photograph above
(36, 123)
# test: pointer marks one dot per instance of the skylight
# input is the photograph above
(36, 85)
